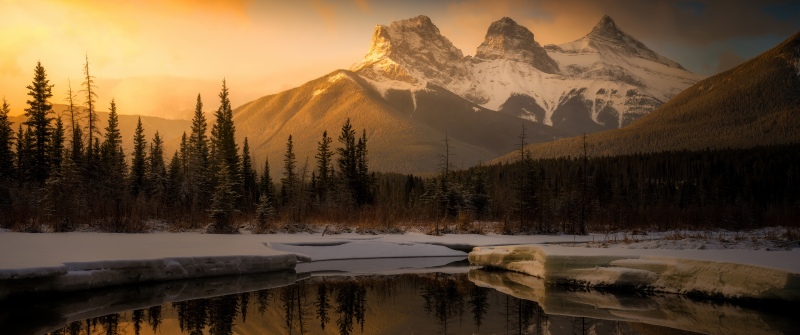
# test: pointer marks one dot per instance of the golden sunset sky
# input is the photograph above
(154, 56)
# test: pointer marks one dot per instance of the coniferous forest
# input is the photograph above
(67, 172)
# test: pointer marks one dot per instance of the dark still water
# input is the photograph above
(478, 302)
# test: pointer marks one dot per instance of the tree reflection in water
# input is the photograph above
(296, 308)
(442, 298)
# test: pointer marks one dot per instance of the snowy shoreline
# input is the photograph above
(87, 260)
(733, 274)
(80, 261)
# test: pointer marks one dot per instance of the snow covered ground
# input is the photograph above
(732, 273)
(82, 260)
(86, 260)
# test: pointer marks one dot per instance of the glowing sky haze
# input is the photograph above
(154, 56)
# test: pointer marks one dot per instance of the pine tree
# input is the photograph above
(265, 185)
(112, 170)
(266, 198)
(57, 144)
(323, 156)
(363, 178)
(138, 163)
(248, 177)
(92, 128)
(156, 176)
(223, 203)
(348, 159)
(224, 140)
(6, 143)
(289, 180)
(111, 150)
(199, 156)
(39, 118)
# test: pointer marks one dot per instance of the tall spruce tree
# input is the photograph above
(113, 168)
(249, 184)
(265, 185)
(289, 180)
(111, 149)
(39, 113)
(266, 198)
(363, 178)
(6, 143)
(324, 155)
(223, 138)
(89, 89)
(138, 162)
(348, 158)
(156, 177)
(201, 186)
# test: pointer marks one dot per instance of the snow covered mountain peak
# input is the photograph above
(604, 80)
(606, 27)
(607, 39)
(411, 53)
(506, 39)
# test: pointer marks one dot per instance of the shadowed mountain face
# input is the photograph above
(756, 103)
(414, 88)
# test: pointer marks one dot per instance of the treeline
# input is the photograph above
(730, 189)
(63, 171)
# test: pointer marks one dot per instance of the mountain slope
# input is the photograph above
(756, 103)
(405, 130)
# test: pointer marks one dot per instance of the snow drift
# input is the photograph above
(727, 273)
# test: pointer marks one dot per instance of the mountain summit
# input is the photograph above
(413, 51)
(606, 37)
(506, 39)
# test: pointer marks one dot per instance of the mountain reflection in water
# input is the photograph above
(482, 302)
